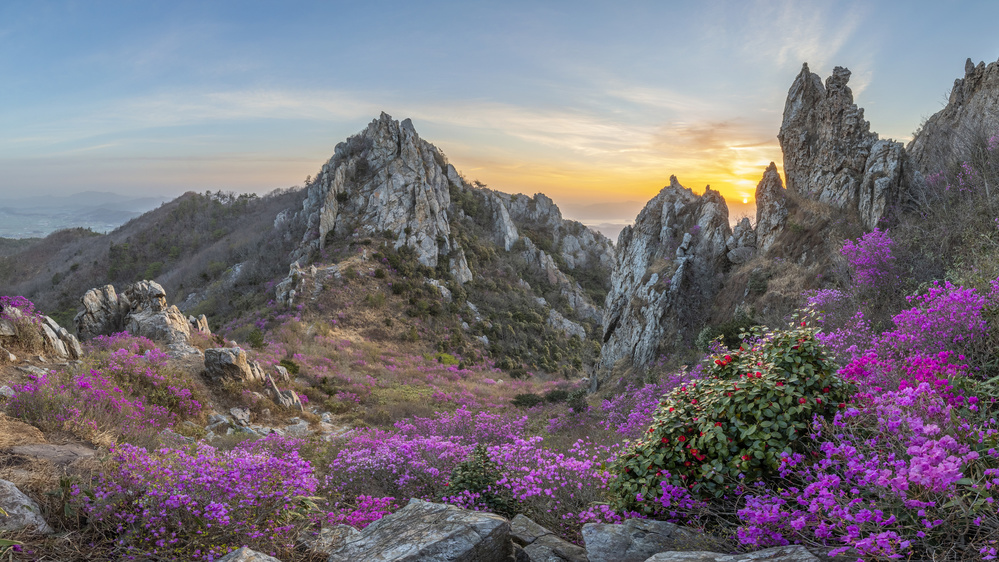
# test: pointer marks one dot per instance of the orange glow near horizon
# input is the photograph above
(574, 182)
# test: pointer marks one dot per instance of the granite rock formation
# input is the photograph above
(830, 154)
(970, 117)
(771, 209)
(668, 269)
(431, 531)
(141, 310)
(387, 179)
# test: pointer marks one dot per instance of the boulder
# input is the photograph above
(103, 313)
(244, 554)
(793, 553)
(636, 540)
(331, 538)
(541, 545)
(771, 209)
(141, 310)
(431, 531)
(21, 511)
(150, 316)
(200, 324)
(231, 363)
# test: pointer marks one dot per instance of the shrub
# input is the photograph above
(203, 503)
(528, 400)
(556, 395)
(753, 405)
(292, 367)
(577, 400)
(256, 339)
(478, 476)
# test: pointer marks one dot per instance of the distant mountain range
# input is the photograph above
(101, 211)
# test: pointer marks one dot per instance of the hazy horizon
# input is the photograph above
(590, 104)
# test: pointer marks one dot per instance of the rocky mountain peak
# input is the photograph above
(771, 208)
(830, 153)
(666, 274)
(970, 117)
(386, 179)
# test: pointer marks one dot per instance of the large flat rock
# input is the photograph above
(425, 531)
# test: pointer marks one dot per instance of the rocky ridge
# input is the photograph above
(387, 181)
(666, 274)
(830, 153)
(668, 268)
(970, 117)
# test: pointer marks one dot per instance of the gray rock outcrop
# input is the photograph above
(232, 363)
(668, 268)
(141, 310)
(830, 154)
(636, 540)
(792, 553)
(387, 180)
(55, 339)
(970, 117)
(21, 511)
(742, 243)
(771, 209)
(430, 531)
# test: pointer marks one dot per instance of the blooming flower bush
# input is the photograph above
(201, 503)
(753, 405)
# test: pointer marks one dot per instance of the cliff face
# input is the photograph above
(970, 117)
(830, 154)
(669, 265)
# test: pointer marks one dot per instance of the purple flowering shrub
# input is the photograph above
(115, 395)
(201, 503)
(897, 475)
(19, 313)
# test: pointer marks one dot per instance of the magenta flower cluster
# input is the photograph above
(178, 503)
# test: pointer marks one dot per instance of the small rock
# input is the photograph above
(6, 391)
(247, 555)
(241, 415)
(56, 454)
(22, 512)
(230, 363)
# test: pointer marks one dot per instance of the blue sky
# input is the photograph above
(589, 102)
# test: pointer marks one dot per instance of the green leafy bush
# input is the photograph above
(478, 475)
(256, 339)
(292, 367)
(557, 395)
(752, 405)
(528, 400)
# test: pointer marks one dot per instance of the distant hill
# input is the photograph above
(100, 211)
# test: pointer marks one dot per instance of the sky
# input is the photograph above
(595, 104)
